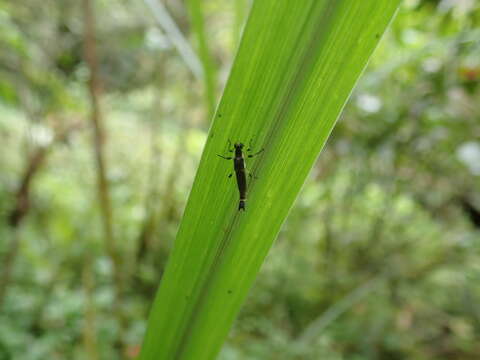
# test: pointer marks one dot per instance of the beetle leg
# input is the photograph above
(250, 145)
(258, 152)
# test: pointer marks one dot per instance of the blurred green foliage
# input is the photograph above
(378, 258)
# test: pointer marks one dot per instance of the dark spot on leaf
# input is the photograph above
(229, 291)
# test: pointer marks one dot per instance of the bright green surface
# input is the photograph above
(297, 64)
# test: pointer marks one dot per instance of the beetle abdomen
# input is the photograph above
(241, 205)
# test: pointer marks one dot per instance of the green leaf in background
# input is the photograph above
(296, 66)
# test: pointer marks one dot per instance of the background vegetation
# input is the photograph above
(379, 257)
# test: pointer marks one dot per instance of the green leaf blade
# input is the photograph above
(297, 64)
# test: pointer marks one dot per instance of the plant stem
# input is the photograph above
(96, 119)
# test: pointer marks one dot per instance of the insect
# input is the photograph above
(240, 169)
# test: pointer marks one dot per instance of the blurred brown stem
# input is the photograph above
(98, 144)
(22, 197)
(22, 206)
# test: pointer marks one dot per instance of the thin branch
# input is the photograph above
(22, 205)
(356, 295)
(95, 90)
(165, 21)
(337, 309)
(22, 196)
(209, 73)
